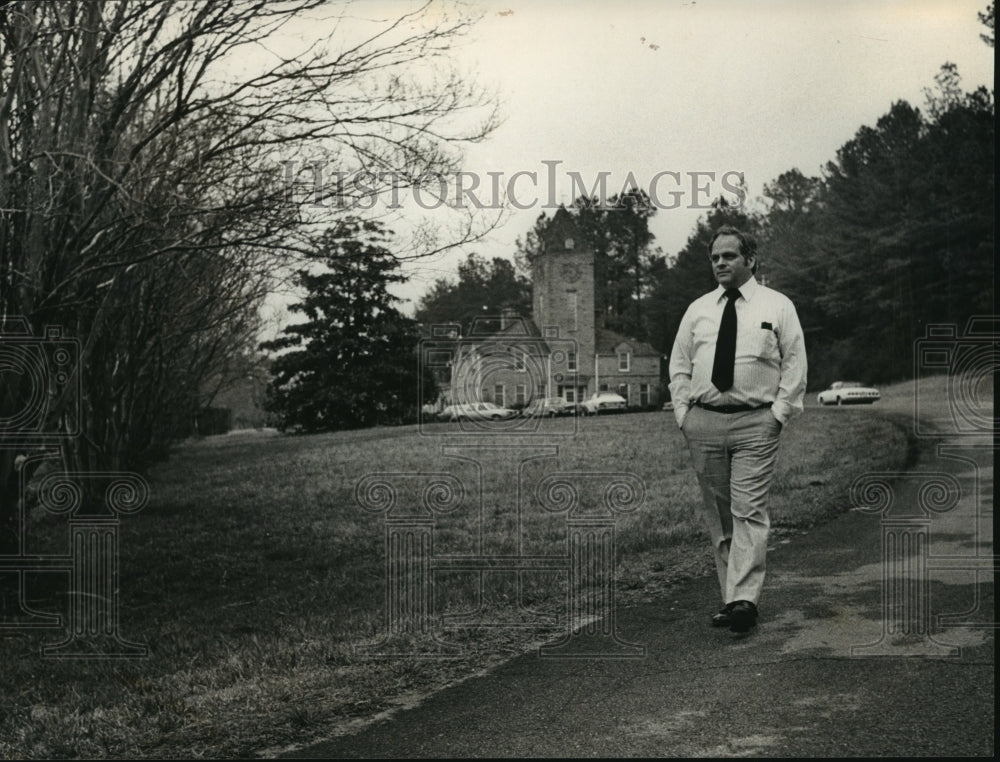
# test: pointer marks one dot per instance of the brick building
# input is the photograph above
(561, 351)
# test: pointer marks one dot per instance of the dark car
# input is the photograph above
(548, 407)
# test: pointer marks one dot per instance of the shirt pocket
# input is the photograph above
(766, 342)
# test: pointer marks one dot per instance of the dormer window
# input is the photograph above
(624, 358)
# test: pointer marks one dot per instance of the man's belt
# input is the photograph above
(731, 408)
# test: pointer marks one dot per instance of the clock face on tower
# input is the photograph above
(571, 272)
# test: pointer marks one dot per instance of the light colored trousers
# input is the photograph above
(734, 456)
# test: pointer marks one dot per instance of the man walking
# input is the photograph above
(737, 376)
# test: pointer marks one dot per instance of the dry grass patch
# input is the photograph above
(253, 575)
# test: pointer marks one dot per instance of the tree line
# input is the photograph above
(144, 210)
(895, 235)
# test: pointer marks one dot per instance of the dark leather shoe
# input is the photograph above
(742, 616)
(721, 619)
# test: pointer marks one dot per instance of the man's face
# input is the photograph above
(728, 265)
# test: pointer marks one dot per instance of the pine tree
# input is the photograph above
(353, 363)
(482, 292)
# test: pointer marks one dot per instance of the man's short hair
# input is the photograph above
(748, 245)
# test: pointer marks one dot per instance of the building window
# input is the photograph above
(644, 394)
(623, 362)
(570, 395)
(519, 394)
(623, 391)
(604, 388)
(519, 361)
(571, 360)
(498, 394)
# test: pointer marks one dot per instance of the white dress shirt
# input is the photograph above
(770, 353)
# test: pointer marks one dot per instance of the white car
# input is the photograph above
(603, 402)
(848, 393)
(477, 411)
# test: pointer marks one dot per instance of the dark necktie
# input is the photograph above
(725, 345)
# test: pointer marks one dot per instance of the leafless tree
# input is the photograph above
(144, 205)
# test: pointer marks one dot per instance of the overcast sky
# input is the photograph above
(702, 86)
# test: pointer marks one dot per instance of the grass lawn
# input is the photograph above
(254, 576)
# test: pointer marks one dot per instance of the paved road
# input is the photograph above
(876, 639)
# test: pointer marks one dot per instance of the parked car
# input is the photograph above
(603, 402)
(548, 407)
(848, 393)
(477, 411)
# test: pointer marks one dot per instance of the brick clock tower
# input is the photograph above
(563, 297)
